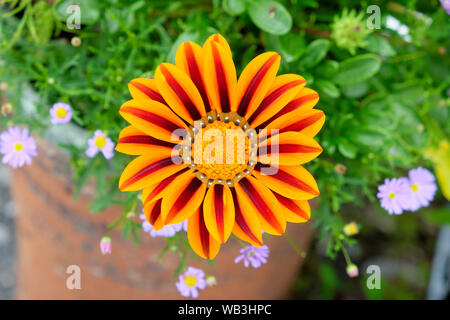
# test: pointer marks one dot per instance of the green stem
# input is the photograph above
(300, 252)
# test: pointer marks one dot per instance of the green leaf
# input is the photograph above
(355, 90)
(292, 46)
(438, 216)
(328, 68)
(89, 10)
(367, 138)
(270, 16)
(380, 46)
(357, 69)
(328, 87)
(347, 149)
(233, 7)
(315, 52)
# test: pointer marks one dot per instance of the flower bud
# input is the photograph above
(351, 228)
(352, 270)
(211, 281)
(105, 245)
(76, 42)
(340, 168)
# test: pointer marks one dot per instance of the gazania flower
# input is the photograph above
(203, 154)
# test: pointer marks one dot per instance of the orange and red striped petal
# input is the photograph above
(147, 170)
(199, 237)
(220, 75)
(152, 212)
(183, 198)
(219, 39)
(190, 58)
(296, 211)
(135, 142)
(142, 88)
(288, 149)
(304, 101)
(179, 92)
(153, 118)
(218, 212)
(294, 182)
(254, 82)
(157, 190)
(247, 226)
(308, 123)
(282, 91)
(253, 196)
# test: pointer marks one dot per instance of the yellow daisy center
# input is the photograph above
(100, 142)
(190, 281)
(61, 112)
(18, 146)
(220, 150)
(414, 187)
(391, 195)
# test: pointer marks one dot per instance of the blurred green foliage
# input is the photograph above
(385, 92)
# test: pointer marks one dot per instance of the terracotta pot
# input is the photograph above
(54, 231)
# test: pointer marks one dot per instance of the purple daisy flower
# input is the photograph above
(423, 188)
(167, 231)
(61, 113)
(395, 195)
(100, 143)
(190, 282)
(254, 256)
(446, 5)
(17, 147)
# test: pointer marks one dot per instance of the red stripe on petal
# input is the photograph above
(147, 171)
(271, 98)
(291, 106)
(288, 179)
(179, 91)
(218, 206)
(240, 220)
(194, 72)
(184, 197)
(145, 139)
(221, 81)
(156, 212)
(152, 118)
(253, 85)
(154, 95)
(163, 184)
(204, 234)
(260, 204)
(302, 124)
(291, 205)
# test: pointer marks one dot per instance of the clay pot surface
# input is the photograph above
(55, 231)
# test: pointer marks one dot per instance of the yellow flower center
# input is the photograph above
(220, 150)
(391, 195)
(100, 142)
(18, 146)
(190, 281)
(61, 112)
(415, 187)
